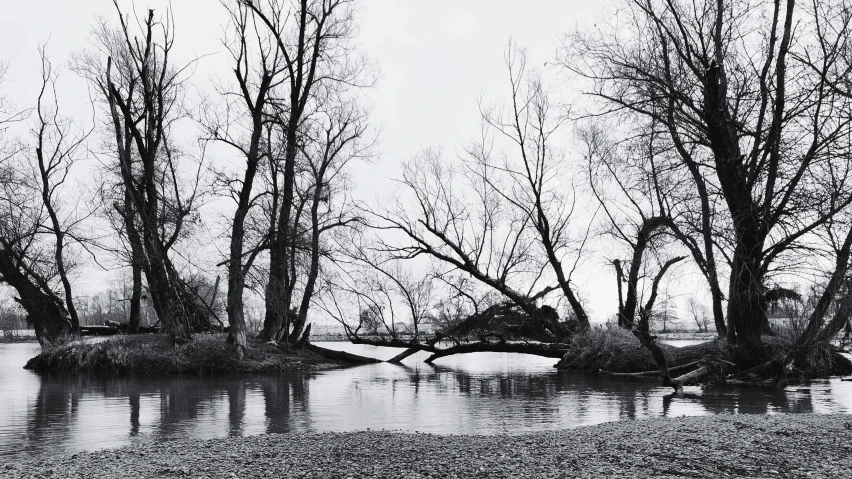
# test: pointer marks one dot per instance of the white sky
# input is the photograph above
(436, 59)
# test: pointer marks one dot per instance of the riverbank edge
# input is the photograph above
(151, 354)
(702, 446)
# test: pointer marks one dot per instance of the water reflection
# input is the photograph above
(475, 394)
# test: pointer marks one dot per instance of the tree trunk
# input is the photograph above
(164, 285)
(546, 350)
(44, 309)
(643, 237)
(236, 318)
(643, 334)
(236, 269)
(718, 310)
(137, 261)
(314, 268)
(277, 290)
(746, 315)
(274, 316)
(58, 233)
(135, 300)
(710, 271)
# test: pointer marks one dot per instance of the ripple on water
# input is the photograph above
(479, 393)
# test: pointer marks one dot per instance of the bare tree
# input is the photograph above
(698, 311)
(649, 202)
(387, 304)
(642, 330)
(56, 149)
(314, 37)
(27, 257)
(528, 178)
(743, 111)
(335, 138)
(259, 70)
(142, 90)
(463, 224)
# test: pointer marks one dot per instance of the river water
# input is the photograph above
(480, 393)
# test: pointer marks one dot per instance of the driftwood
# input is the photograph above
(652, 373)
(691, 378)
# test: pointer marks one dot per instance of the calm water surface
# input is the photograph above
(478, 393)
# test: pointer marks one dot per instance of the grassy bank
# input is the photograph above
(715, 446)
(155, 354)
(618, 350)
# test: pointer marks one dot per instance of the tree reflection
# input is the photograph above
(73, 412)
(54, 412)
(236, 407)
(278, 402)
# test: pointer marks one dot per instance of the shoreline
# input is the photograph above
(154, 354)
(698, 446)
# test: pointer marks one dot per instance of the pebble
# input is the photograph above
(711, 446)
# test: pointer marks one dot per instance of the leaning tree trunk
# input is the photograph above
(302, 317)
(815, 335)
(642, 331)
(59, 248)
(44, 309)
(163, 285)
(48, 316)
(646, 231)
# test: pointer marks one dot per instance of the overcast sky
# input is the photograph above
(435, 59)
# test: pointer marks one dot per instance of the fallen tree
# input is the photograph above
(500, 328)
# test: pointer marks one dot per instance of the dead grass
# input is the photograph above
(617, 350)
(156, 354)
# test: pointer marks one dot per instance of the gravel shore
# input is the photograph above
(716, 446)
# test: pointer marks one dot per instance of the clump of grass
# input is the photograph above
(156, 354)
(618, 350)
(819, 360)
